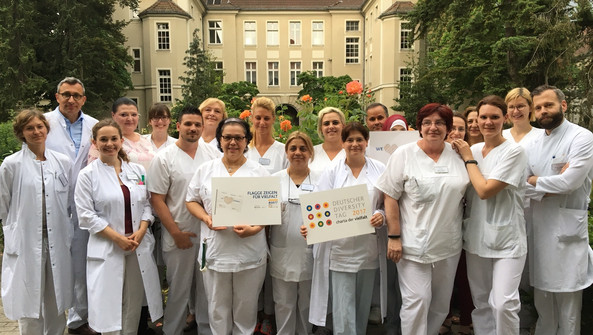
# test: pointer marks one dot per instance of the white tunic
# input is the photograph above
(321, 160)
(213, 143)
(495, 227)
(21, 215)
(274, 159)
(100, 203)
(170, 141)
(290, 258)
(225, 250)
(560, 259)
(430, 197)
(526, 140)
(169, 173)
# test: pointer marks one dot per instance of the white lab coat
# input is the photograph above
(21, 215)
(100, 203)
(336, 177)
(560, 259)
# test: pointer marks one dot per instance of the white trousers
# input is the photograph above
(494, 283)
(132, 297)
(292, 306)
(49, 322)
(559, 313)
(79, 313)
(352, 293)
(180, 265)
(232, 300)
(200, 302)
(426, 293)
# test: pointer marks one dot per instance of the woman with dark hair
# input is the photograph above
(36, 263)
(112, 204)
(350, 263)
(473, 131)
(494, 231)
(459, 128)
(234, 259)
(159, 119)
(423, 181)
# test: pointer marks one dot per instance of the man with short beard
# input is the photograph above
(560, 170)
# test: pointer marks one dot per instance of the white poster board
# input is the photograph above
(335, 214)
(245, 201)
(383, 143)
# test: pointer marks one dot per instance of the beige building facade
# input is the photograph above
(269, 42)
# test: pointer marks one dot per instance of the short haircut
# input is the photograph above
(325, 111)
(70, 81)
(211, 101)
(378, 104)
(540, 89)
(299, 135)
(159, 110)
(122, 101)
(352, 127)
(493, 100)
(521, 92)
(188, 109)
(23, 118)
(110, 123)
(443, 111)
(233, 120)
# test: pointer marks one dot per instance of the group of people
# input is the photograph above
(91, 209)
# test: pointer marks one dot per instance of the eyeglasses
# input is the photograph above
(68, 95)
(334, 122)
(160, 118)
(438, 123)
(228, 138)
(518, 107)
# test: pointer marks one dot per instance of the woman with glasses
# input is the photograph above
(291, 261)
(494, 234)
(233, 258)
(329, 128)
(520, 114)
(350, 263)
(159, 119)
(424, 184)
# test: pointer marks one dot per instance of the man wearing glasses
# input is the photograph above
(71, 135)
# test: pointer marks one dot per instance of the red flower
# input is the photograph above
(341, 92)
(285, 125)
(306, 98)
(354, 87)
(245, 114)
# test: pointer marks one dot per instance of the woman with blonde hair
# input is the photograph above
(520, 113)
(330, 123)
(264, 149)
(213, 111)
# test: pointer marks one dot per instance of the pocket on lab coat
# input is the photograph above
(572, 225)
(500, 236)
(12, 240)
(97, 249)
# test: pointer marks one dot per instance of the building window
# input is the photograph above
(295, 33)
(214, 2)
(352, 25)
(219, 68)
(163, 39)
(251, 72)
(318, 69)
(295, 70)
(272, 32)
(250, 33)
(215, 32)
(317, 33)
(352, 50)
(405, 36)
(165, 92)
(273, 74)
(405, 79)
(137, 67)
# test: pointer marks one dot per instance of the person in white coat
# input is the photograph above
(233, 258)
(71, 135)
(424, 183)
(169, 173)
(350, 263)
(560, 258)
(159, 119)
(112, 204)
(329, 128)
(36, 263)
(494, 234)
(291, 261)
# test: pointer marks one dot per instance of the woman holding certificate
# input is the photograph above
(424, 184)
(350, 263)
(233, 258)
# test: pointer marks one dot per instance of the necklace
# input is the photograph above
(230, 168)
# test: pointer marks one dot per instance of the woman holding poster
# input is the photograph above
(424, 184)
(233, 259)
(350, 263)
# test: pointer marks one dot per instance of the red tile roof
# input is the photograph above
(261, 5)
(164, 7)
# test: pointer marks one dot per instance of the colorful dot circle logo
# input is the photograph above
(312, 225)
(320, 223)
(309, 208)
(327, 213)
(328, 222)
(325, 205)
(319, 215)
(310, 216)
(317, 206)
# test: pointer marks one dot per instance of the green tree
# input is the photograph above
(318, 88)
(201, 80)
(237, 96)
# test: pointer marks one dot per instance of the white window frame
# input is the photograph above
(164, 91)
(405, 73)
(351, 44)
(250, 34)
(295, 69)
(137, 60)
(272, 34)
(295, 35)
(320, 32)
(215, 32)
(319, 71)
(163, 36)
(219, 66)
(251, 73)
(352, 21)
(273, 73)
(405, 37)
